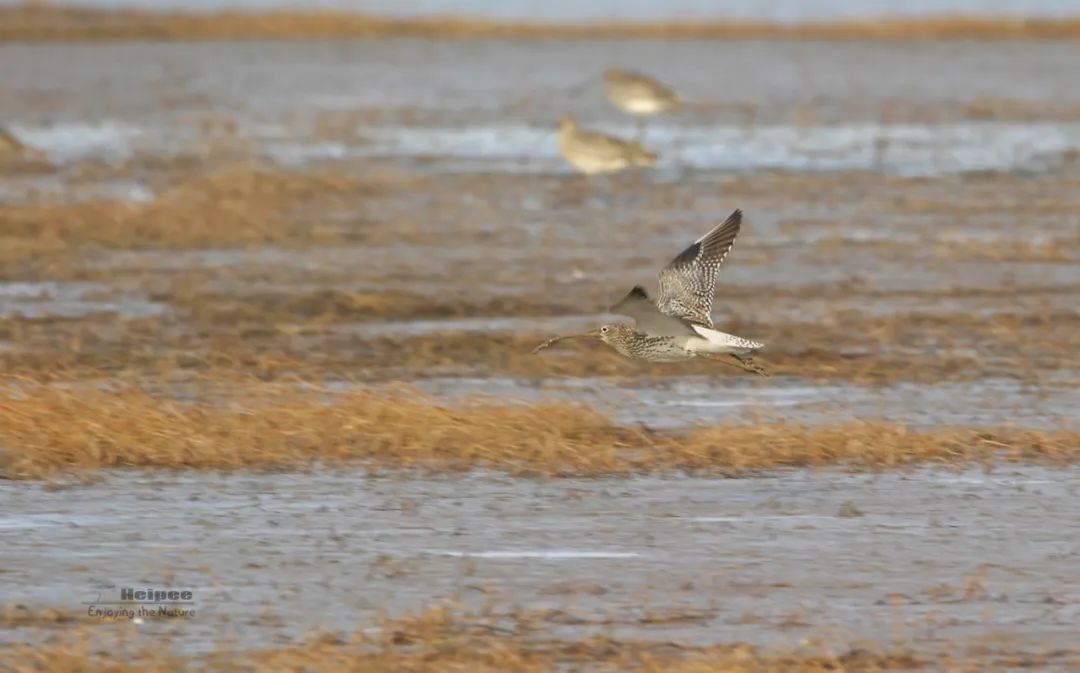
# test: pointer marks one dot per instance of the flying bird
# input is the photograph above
(678, 324)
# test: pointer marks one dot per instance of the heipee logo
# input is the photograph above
(139, 603)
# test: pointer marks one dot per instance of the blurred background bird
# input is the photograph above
(594, 153)
(639, 95)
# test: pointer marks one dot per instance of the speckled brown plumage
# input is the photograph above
(679, 326)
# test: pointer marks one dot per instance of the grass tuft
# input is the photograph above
(48, 430)
(447, 638)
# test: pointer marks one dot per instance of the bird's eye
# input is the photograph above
(604, 328)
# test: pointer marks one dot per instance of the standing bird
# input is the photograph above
(593, 153)
(639, 95)
(678, 325)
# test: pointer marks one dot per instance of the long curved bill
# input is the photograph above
(554, 340)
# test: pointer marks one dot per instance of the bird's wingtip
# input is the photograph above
(636, 294)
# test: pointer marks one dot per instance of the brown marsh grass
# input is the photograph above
(307, 335)
(1062, 250)
(239, 205)
(447, 638)
(40, 21)
(50, 430)
(17, 615)
(992, 108)
(330, 306)
(205, 203)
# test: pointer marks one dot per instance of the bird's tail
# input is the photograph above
(643, 157)
(677, 103)
(719, 338)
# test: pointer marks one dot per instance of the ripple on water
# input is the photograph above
(72, 300)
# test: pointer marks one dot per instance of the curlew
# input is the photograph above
(639, 95)
(594, 153)
(678, 324)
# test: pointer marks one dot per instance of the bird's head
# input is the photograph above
(612, 333)
(616, 336)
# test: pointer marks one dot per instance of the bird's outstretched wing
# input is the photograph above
(687, 284)
(648, 318)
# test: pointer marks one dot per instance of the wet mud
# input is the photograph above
(929, 559)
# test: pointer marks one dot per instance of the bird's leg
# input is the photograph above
(596, 189)
(722, 359)
(742, 362)
(605, 191)
(749, 364)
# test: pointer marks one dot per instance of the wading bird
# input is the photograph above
(593, 153)
(678, 325)
(639, 95)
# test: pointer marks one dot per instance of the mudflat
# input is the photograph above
(266, 313)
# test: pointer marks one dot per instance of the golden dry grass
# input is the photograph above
(17, 615)
(447, 638)
(49, 430)
(39, 21)
(239, 205)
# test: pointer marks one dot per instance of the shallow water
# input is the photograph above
(679, 402)
(71, 300)
(903, 149)
(927, 558)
